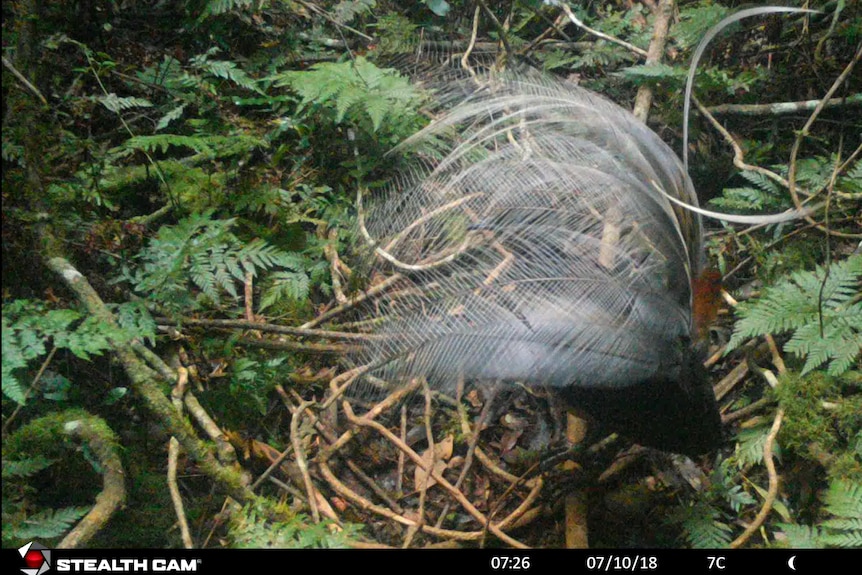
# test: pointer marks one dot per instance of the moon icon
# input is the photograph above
(790, 562)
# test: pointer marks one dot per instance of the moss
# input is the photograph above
(47, 435)
(823, 421)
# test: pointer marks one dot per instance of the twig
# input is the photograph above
(272, 467)
(803, 133)
(576, 502)
(780, 108)
(399, 480)
(663, 14)
(341, 382)
(144, 381)
(334, 270)
(224, 450)
(300, 458)
(373, 292)
(501, 30)
(150, 218)
(738, 154)
(155, 362)
(746, 411)
(176, 498)
(553, 27)
(266, 327)
(173, 455)
(772, 492)
(249, 295)
(465, 59)
(577, 22)
(325, 14)
(730, 380)
(23, 80)
(426, 476)
(296, 345)
(717, 355)
(30, 389)
(474, 440)
(465, 503)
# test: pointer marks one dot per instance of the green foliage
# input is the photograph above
(766, 195)
(22, 518)
(346, 10)
(750, 442)
(25, 467)
(396, 33)
(695, 20)
(29, 326)
(357, 90)
(703, 527)
(204, 252)
(763, 195)
(134, 317)
(249, 529)
(642, 74)
(705, 523)
(211, 147)
(820, 307)
(252, 380)
(823, 416)
(46, 524)
(225, 69)
(117, 104)
(216, 7)
(439, 7)
(843, 503)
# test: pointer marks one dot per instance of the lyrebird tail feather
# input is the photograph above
(540, 250)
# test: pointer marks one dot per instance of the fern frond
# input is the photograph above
(48, 524)
(703, 529)
(117, 104)
(749, 450)
(172, 115)
(844, 499)
(802, 536)
(349, 86)
(25, 467)
(820, 307)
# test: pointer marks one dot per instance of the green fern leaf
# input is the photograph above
(818, 307)
(703, 530)
(49, 523)
(117, 104)
(844, 499)
(802, 536)
(749, 449)
(174, 114)
(25, 467)
(851, 540)
(353, 89)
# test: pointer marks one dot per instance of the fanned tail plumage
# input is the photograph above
(539, 246)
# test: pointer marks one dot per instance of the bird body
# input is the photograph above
(539, 246)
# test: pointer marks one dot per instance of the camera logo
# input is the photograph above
(36, 557)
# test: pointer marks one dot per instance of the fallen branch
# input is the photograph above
(144, 382)
(264, 327)
(101, 442)
(781, 108)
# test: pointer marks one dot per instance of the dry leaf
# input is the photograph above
(438, 456)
